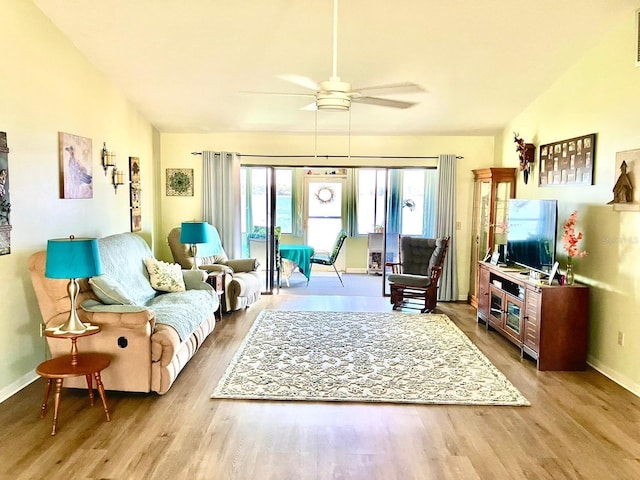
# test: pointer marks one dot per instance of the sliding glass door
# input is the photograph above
(311, 207)
(259, 202)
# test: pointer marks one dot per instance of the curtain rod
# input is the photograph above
(403, 157)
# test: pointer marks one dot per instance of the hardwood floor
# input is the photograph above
(580, 425)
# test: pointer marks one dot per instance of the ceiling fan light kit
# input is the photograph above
(334, 94)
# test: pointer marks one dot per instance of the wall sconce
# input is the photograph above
(108, 158)
(117, 178)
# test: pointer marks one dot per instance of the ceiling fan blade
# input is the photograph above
(383, 102)
(392, 88)
(282, 94)
(312, 107)
(304, 82)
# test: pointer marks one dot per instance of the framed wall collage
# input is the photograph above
(568, 162)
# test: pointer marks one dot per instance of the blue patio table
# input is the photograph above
(300, 255)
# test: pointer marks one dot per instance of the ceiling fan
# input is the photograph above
(335, 94)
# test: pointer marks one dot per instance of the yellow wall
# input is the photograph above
(46, 87)
(599, 94)
(176, 153)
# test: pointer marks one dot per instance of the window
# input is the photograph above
(253, 184)
(409, 193)
(412, 202)
(371, 190)
(411, 197)
(284, 182)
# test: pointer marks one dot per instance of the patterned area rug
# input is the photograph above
(363, 357)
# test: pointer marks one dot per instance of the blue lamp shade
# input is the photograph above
(194, 232)
(72, 258)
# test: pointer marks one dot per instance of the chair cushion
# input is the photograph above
(410, 280)
(416, 255)
(321, 259)
(438, 252)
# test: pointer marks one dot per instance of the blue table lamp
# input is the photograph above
(193, 233)
(72, 258)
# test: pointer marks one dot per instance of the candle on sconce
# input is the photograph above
(119, 177)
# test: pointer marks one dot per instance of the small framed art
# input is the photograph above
(136, 219)
(135, 194)
(180, 182)
(76, 170)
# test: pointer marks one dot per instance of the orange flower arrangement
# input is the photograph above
(570, 239)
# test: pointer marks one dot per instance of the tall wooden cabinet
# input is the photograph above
(493, 187)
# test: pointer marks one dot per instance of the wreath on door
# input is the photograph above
(325, 194)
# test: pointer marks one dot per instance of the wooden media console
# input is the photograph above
(549, 323)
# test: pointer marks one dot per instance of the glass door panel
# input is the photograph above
(485, 217)
(323, 207)
(513, 317)
(495, 309)
(258, 204)
(503, 194)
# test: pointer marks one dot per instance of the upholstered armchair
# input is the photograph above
(417, 274)
(243, 281)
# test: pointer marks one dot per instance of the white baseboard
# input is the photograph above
(356, 270)
(18, 385)
(617, 377)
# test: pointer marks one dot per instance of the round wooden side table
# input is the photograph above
(88, 365)
(76, 364)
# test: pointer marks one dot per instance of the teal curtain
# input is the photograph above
(297, 200)
(430, 200)
(394, 205)
(350, 205)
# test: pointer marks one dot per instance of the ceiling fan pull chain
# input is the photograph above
(335, 38)
(349, 144)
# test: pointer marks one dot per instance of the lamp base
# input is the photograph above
(73, 323)
(194, 252)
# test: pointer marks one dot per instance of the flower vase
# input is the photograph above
(569, 274)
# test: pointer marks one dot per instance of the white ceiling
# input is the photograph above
(185, 63)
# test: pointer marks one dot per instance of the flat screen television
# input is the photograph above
(531, 233)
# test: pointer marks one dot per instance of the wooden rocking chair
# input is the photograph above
(417, 273)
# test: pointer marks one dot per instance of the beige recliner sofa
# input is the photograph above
(150, 336)
(243, 281)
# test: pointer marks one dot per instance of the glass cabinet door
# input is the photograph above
(503, 194)
(512, 321)
(495, 309)
(484, 217)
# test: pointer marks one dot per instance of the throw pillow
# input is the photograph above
(163, 276)
(109, 290)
